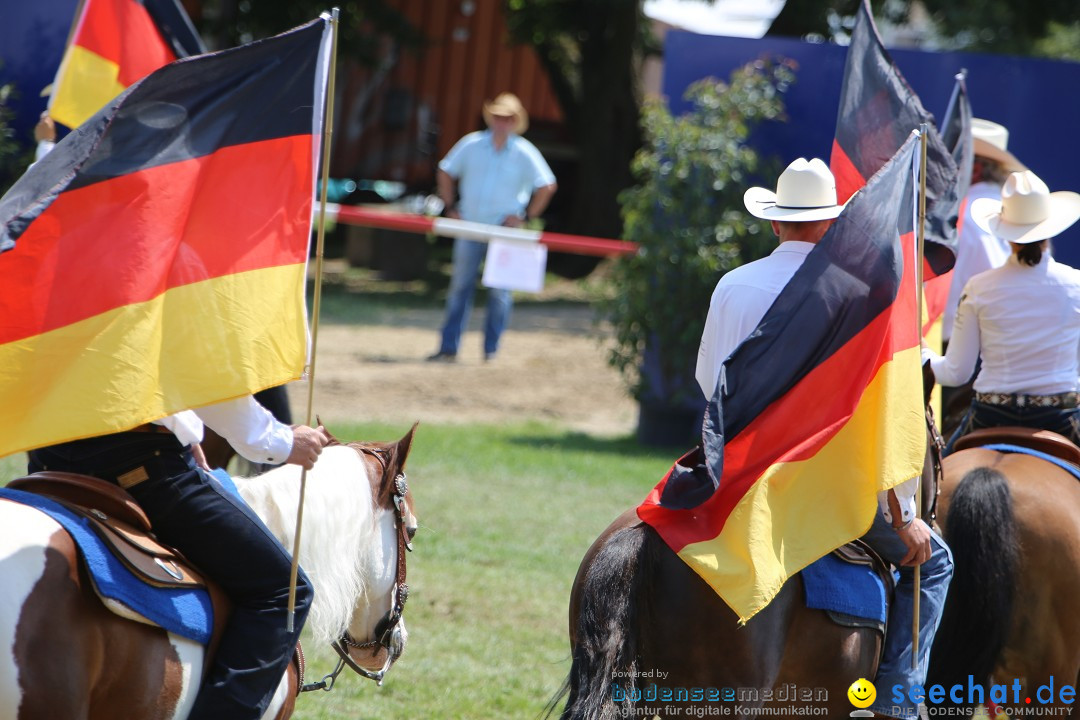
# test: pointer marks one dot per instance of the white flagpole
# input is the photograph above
(920, 234)
(327, 136)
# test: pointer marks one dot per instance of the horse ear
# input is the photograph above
(401, 450)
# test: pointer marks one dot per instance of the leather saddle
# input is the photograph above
(1044, 441)
(125, 530)
(858, 552)
(119, 522)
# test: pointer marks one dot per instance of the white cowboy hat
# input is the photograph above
(1027, 212)
(507, 105)
(991, 141)
(805, 191)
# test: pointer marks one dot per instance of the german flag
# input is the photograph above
(113, 44)
(878, 110)
(155, 259)
(818, 410)
(942, 217)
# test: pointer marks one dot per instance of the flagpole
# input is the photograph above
(920, 233)
(327, 136)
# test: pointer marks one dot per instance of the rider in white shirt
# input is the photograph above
(1022, 319)
(801, 211)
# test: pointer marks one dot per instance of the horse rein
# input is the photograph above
(379, 648)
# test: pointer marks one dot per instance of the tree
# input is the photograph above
(227, 23)
(592, 51)
(1045, 28)
(14, 155)
(686, 213)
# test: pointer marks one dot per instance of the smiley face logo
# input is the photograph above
(862, 693)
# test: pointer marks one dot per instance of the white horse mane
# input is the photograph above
(340, 533)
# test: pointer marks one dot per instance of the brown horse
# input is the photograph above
(643, 623)
(64, 655)
(1013, 523)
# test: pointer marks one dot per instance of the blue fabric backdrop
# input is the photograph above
(1035, 99)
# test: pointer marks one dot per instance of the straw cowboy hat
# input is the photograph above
(992, 141)
(507, 105)
(805, 191)
(1028, 212)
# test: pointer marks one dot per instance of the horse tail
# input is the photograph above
(981, 531)
(601, 684)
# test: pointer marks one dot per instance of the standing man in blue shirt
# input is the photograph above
(502, 179)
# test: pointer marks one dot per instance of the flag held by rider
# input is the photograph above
(878, 110)
(113, 44)
(816, 412)
(155, 260)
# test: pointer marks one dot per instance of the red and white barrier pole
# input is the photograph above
(556, 242)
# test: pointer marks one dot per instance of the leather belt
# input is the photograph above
(1066, 400)
(149, 428)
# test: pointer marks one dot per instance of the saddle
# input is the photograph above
(856, 554)
(125, 530)
(1044, 441)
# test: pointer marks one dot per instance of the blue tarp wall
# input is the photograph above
(1037, 100)
(32, 38)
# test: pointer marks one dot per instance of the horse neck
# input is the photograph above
(342, 540)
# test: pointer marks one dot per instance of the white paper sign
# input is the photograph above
(515, 266)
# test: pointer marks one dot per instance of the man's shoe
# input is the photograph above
(489, 356)
(442, 357)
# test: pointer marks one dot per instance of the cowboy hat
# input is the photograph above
(805, 191)
(991, 141)
(1027, 212)
(507, 105)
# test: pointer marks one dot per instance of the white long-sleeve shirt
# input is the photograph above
(249, 427)
(977, 250)
(1024, 322)
(739, 302)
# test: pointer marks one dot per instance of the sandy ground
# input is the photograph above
(551, 367)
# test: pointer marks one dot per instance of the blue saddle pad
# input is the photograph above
(184, 611)
(1005, 448)
(838, 586)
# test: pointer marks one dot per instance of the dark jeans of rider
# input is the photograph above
(221, 535)
(1064, 421)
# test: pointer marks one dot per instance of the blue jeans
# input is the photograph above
(468, 255)
(935, 574)
(224, 538)
(1064, 421)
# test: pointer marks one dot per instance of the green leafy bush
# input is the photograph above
(686, 213)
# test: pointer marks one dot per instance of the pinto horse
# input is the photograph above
(637, 611)
(1013, 523)
(64, 655)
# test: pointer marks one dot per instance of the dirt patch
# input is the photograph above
(551, 367)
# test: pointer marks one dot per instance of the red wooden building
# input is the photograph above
(396, 121)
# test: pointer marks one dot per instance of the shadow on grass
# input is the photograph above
(571, 441)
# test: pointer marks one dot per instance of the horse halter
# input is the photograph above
(379, 656)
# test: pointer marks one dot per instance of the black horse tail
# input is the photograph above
(601, 684)
(981, 530)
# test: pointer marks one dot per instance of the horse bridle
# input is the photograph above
(378, 650)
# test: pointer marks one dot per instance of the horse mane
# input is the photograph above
(339, 532)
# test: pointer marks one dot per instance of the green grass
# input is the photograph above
(506, 514)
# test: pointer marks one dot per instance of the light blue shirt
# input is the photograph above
(494, 184)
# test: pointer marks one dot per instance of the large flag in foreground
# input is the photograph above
(816, 411)
(878, 110)
(113, 44)
(155, 259)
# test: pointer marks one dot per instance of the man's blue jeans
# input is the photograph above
(468, 255)
(1064, 421)
(220, 534)
(935, 574)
